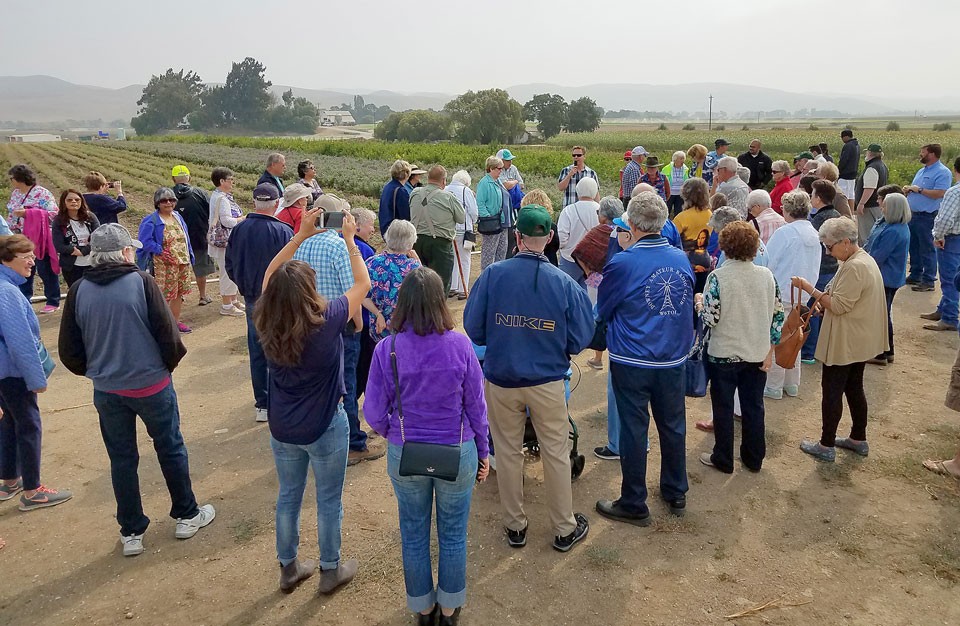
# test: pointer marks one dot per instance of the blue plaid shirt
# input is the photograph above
(327, 254)
(570, 193)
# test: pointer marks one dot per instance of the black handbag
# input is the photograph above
(436, 460)
(491, 224)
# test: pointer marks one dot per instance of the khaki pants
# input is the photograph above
(506, 411)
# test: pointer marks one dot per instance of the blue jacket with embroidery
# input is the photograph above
(646, 298)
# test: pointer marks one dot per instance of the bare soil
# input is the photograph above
(863, 541)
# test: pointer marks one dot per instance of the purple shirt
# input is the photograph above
(432, 412)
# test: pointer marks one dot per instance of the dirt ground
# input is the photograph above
(864, 541)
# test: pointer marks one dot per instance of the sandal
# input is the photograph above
(938, 467)
(706, 427)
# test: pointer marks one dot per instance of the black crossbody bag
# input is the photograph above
(436, 460)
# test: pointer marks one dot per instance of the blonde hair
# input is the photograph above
(828, 171)
(492, 162)
(94, 181)
(697, 152)
(400, 170)
(537, 196)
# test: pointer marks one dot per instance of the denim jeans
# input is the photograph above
(51, 282)
(118, 426)
(662, 390)
(923, 256)
(948, 259)
(20, 433)
(259, 374)
(351, 357)
(571, 269)
(613, 418)
(748, 379)
(810, 345)
(327, 456)
(415, 496)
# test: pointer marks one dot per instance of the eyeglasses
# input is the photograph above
(830, 246)
(26, 257)
(576, 156)
(621, 230)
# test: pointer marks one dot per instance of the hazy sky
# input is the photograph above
(448, 46)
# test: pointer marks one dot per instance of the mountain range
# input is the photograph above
(45, 99)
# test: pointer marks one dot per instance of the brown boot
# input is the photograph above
(295, 572)
(331, 579)
(375, 450)
(933, 317)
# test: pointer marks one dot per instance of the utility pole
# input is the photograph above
(710, 114)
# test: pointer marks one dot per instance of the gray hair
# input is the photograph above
(400, 170)
(722, 217)
(896, 209)
(610, 208)
(400, 235)
(640, 188)
(728, 163)
(106, 258)
(759, 197)
(647, 212)
(588, 188)
(828, 171)
(264, 205)
(780, 166)
(679, 154)
(836, 229)
(796, 204)
(275, 157)
(163, 193)
(462, 177)
(181, 179)
(743, 173)
(363, 215)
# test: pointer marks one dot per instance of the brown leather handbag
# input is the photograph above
(796, 329)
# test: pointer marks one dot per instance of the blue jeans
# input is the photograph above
(351, 356)
(923, 256)
(327, 456)
(20, 433)
(51, 282)
(118, 426)
(571, 269)
(948, 260)
(415, 504)
(638, 389)
(810, 345)
(749, 380)
(613, 419)
(259, 375)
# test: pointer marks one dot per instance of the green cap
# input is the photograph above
(505, 155)
(875, 148)
(534, 221)
(803, 155)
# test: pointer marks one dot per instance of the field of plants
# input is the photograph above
(358, 169)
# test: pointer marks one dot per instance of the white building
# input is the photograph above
(337, 118)
(34, 138)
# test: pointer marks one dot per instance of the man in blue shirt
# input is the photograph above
(946, 239)
(646, 298)
(276, 164)
(925, 194)
(531, 317)
(713, 157)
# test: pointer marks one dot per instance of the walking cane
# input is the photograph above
(456, 252)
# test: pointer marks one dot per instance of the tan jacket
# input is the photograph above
(855, 329)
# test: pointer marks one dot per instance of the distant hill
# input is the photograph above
(44, 99)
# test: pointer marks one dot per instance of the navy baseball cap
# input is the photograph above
(265, 192)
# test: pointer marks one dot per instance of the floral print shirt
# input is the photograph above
(710, 315)
(387, 271)
(175, 242)
(36, 198)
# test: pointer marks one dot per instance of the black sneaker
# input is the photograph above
(678, 506)
(517, 538)
(913, 281)
(611, 509)
(563, 544)
(603, 452)
(923, 287)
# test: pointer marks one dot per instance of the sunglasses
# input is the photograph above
(576, 156)
(621, 230)
(168, 201)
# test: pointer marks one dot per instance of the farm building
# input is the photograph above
(35, 138)
(337, 118)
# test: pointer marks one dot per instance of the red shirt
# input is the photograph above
(776, 194)
(291, 216)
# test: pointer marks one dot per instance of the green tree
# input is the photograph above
(583, 116)
(387, 129)
(211, 114)
(488, 116)
(549, 111)
(295, 115)
(414, 126)
(166, 100)
(246, 94)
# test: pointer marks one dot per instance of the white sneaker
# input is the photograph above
(187, 528)
(132, 545)
(262, 415)
(240, 305)
(232, 311)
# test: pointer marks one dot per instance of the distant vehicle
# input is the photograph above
(183, 125)
(326, 123)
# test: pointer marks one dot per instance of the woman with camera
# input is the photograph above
(441, 426)
(99, 202)
(302, 337)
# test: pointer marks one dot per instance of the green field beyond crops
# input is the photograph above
(359, 168)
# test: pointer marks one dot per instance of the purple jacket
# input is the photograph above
(440, 384)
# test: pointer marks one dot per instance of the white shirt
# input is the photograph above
(574, 222)
(83, 239)
(794, 250)
(469, 203)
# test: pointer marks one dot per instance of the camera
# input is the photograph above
(332, 220)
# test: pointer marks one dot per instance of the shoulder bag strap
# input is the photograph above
(426, 212)
(396, 383)
(395, 191)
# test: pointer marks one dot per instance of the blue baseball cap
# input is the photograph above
(622, 221)
(505, 155)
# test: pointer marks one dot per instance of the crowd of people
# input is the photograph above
(704, 269)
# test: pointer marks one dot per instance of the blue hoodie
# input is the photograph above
(253, 244)
(531, 317)
(19, 333)
(646, 297)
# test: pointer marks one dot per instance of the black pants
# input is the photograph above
(749, 379)
(437, 254)
(890, 293)
(675, 204)
(73, 273)
(512, 242)
(367, 344)
(838, 381)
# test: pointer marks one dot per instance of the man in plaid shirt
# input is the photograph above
(327, 254)
(573, 174)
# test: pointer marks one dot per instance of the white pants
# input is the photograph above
(778, 377)
(464, 265)
(227, 286)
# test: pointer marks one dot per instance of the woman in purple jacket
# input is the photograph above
(427, 350)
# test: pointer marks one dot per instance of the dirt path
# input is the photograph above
(871, 541)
